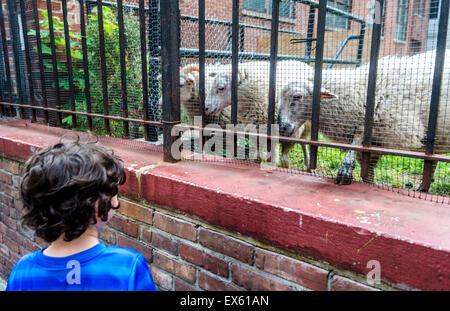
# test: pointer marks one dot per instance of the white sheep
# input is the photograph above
(403, 91)
(253, 89)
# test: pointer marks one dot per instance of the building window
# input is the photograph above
(338, 22)
(402, 20)
(419, 7)
(264, 7)
(434, 9)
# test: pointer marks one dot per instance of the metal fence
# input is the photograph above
(120, 68)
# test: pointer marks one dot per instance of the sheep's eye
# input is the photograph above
(293, 104)
(297, 97)
(220, 88)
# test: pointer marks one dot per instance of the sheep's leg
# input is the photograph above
(345, 173)
(285, 148)
(371, 169)
(303, 132)
(425, 187)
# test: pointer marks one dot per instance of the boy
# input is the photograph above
(69, 191)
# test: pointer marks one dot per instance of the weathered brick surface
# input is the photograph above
(136, 211)
(176, 267)
(176, 227)
(182, 286)
(202, 259)
(208, 282)
(124, 225)
(162, 279)
(254, 281)
(165, 242)
(132, 243)
(226, 245)
(293, 270)
(339, 283)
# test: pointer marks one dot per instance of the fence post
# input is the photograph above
(429, 166)
(273, 68)
(201, 61)
(123, 68)
(371, 89)
(170, 63)
(87, 85)
(317, 81)
(153, 65)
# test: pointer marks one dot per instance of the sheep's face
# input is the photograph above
(219, 95)
(295, 105)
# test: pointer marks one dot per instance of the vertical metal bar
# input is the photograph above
(6, 58)
(28, 58)
(13, 26)
(40, 60)
(317, 81)
(154, 43)
(234, 62)
(144, 67)
(201, 57)
(273, 67)
(87, 89)
(170, 63)
(54, 63)
(371, 89)
(242, 38)
(435, 93)
(310, 32)
(123, 69)
(101, 35)
(69, 62)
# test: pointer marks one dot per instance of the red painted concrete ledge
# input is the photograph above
(344, 226)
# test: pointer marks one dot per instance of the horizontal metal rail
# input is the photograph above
(358, 148)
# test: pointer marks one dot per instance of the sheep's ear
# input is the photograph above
(325, 94)
(190, 68)
(190, 80)
(212, 74)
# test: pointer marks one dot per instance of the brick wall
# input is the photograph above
(183, 253)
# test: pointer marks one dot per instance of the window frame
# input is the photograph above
(267, 15)
(348, 4)
(402, 39)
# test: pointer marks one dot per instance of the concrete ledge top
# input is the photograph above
(344, 226)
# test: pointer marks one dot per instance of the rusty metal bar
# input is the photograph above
(101, 36)
(154, 44)
(123, 68)
(27, 58)
(273, 68)
(428, 169)
(170, 63)
(317, 81)
(87, 85)
(201, 59)
(359, 148)
(145, 103)
(40, 59)
(235, 62)
(6, 58)
(371, 89)
(69, 62)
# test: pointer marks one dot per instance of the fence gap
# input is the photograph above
(6, 60)
(145, 99)
(123, 68)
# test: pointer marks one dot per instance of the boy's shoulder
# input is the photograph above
(124, 252)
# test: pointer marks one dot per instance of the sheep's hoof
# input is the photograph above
(344, 176)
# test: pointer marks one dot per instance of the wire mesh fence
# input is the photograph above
(355, 82)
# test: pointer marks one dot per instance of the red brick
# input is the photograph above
(204, 260)
(161, 278)
(124, 225)
(165, 243)
(293, 270)
(254, 281)
(211, 283)
(145, 250)
(6, 178)
(176, 267)
(136, 211)
(11, 166)
(226, 245)
(339, 283)
(175, 226)
(11, 223)
(181, 286)
(12, 192)
(11, 244)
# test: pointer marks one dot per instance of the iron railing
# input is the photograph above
(169, 51)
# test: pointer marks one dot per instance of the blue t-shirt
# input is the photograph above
(100, 267)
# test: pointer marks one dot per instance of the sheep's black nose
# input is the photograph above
(285, 129)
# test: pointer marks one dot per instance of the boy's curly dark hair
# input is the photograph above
(61, 184)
